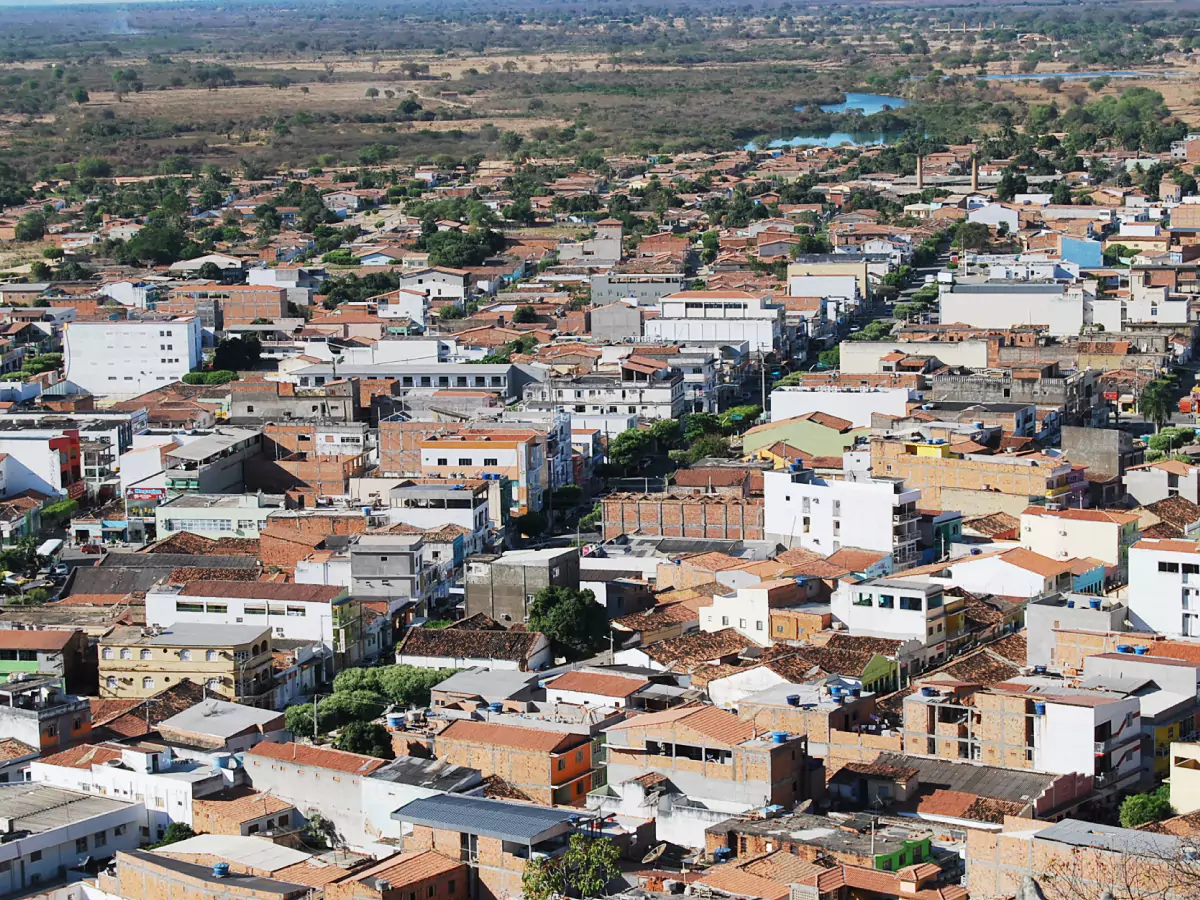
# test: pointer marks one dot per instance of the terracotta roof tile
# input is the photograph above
(258, 590)
(456, 642)
(318, 757)
(11, 748)
(241, 804)
(512, 736)
(408, 869)
(24, 639)
(603, 684)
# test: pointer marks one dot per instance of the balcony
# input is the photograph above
(1051, 493)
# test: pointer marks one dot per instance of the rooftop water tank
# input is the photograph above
(779, 737)
(793, 699)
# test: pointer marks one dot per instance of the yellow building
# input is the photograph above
(1185, 777)
(231, 660)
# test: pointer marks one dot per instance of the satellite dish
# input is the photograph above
(655, 854)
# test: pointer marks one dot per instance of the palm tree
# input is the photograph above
(1155, 405)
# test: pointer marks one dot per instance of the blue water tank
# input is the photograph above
(1141, 650)
(855, 692)
(395, 720)
(1039, 708)
(723, 854)
(221, 870)
(779, 737)
(1124, 648)
(1095, 604)
(496, 706)
(793, 699)
(928, 692)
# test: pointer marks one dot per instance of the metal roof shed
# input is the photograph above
(515, 822)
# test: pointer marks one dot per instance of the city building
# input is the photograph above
(231, 660)
(152, 353)
(215, 515)
(690, 317)
(212, 464)
(1164, 586)
(518, 455)
(645, 387)
(37, 712)
(502, 586)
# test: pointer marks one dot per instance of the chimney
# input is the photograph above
(974, 174)
(920, 173)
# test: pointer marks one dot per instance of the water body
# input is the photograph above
(1065, 76)
(867, 104)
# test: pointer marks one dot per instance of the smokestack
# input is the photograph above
(920, 173)
(974, 174)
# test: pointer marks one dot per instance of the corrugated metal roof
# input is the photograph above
(490, 818)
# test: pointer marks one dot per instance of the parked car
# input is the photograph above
(91, 548)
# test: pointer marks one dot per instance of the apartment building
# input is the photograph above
(689, 317)
(958, 476)
(803, 509)
(749, 609)
(212, 464)
(467, 504)
(294, 612)
(518, 455)
(1164, 586)
(1037, 723)
(645, 387)
(1104, 534)
(699, 765)
(61, 654)
(647, 288)
(1151, 482)
(142, 875)
(231, 660)
(551, 766)
(1069, 394)
(152, 353)
(504, 379)
(220, 306)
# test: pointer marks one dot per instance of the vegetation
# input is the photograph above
(236, 354)
(176, 832)
(218, 376)
(571, 618)
(1141, 809)
(367, 738)
(586, 869)
(360, 695)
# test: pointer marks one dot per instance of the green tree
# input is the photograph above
(1139, 809)
(31, 227)
(1154, 404)
(831, 358)
(524, 315)
(80, 95)
(176, 832)
(532, 524)
(570, 617)
(586, 869)
(593, 519)
(372, 93)
(299, 720)
(668, 432)
(629, 448)
(366, 738)
(237, 353)
(210, 271)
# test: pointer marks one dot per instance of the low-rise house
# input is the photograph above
(58, 654)
(60, 830)
(461, 648)
(698, 765)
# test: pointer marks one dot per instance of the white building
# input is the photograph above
(695, 316)
(405, 303)
(857, 404)
(215, 515)
(60, 830)
(1164, 586)
(994, 215)
(645, 387)
(299, 612)
(163, 785)
(1104, 534)
(1016, 572)
(893, 608)
(436, 283)
(127, 358)
(747, 610)
(865, 357)
(804, 510)
(1059, 308)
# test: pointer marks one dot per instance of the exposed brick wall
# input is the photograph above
(400, 444)
(654, 514)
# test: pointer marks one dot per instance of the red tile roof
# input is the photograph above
(318, 757)
(47, 641)
(258, 590)
(408, 868)
(598, 683)
(512, 736)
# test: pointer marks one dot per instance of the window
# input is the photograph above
(562, 763)
(443, 461)
(35, 856)
(147, 654)
(578, 756)
(450, 885)
(887, 601)
(1191, 569)
(464, 460)
(100, 838)
(214, 684)
(491, 461)
(185, 655)
(1168, 567)
(107, 653)
(724, 620)
(119, 830)
(148, 683)
(52, 731)
(758, 625)
(741, 623)
(126, 653)
(81, 845)
(111, 682)
(210, 656)
(429, 891)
